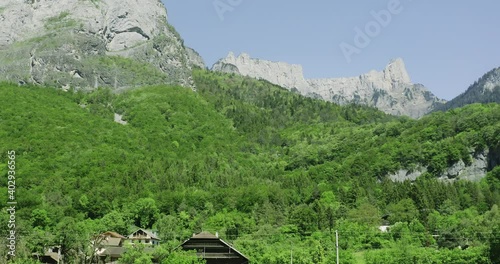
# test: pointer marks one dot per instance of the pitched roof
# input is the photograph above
(113, 251)
(112, 241)
(234, 249)
(204, 235)
(209, 236)
(112, 234)
(148, 233)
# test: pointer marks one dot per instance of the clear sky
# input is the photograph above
(446, 45)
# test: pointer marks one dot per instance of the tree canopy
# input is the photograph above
(274, 173)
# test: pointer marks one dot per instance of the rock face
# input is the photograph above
(91, 43)
(389, 90)
(481, 163)
(289, 76)
(195, 58)
(485, 90)
(492, 79)
(403, 174)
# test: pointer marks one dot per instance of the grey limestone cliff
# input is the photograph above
(91, 43)
(481, 163)
(389, 90)
(283, 74)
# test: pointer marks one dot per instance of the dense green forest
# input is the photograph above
(272, 172)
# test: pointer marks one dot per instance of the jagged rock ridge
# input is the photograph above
(92, 43)
(390, 90)
(286, 75)
(484, 90)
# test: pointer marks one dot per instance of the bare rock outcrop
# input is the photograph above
(389, 90)
(91, 43)
(283, 74)
(481, 163)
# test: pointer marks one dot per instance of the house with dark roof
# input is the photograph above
(144, 236)
(111, 247)
(214, 250)
(51, 256)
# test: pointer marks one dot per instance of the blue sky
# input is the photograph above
(446, 45)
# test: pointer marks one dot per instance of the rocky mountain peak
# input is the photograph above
(64, 39)
(485, 90)
(492, 79)
(390, 90)
(280, 73)
(396, 71)
(230, 56)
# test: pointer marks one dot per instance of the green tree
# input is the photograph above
(144, 212)
(365, 213)
(305, 218)
(135, 254)
(115, 221)
(40, 218)
(403, 211)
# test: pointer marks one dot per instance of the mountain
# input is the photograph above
(263, 166)
(389, 90)
(92, 43)
(273, 172)
(484, 90)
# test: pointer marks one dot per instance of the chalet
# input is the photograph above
(111, 247)
(214, 250)
(144, 236)
(51, 256)
(108, 247)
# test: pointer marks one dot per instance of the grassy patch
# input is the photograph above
(60, 21)
(95, 2)
(58, 18)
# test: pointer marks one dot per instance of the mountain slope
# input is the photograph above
(89, 44)
(390, 90)
(484, 90)
(454, 154)
(248, 159)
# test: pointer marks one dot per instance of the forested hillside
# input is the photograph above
(485, 90)
(269, 170)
